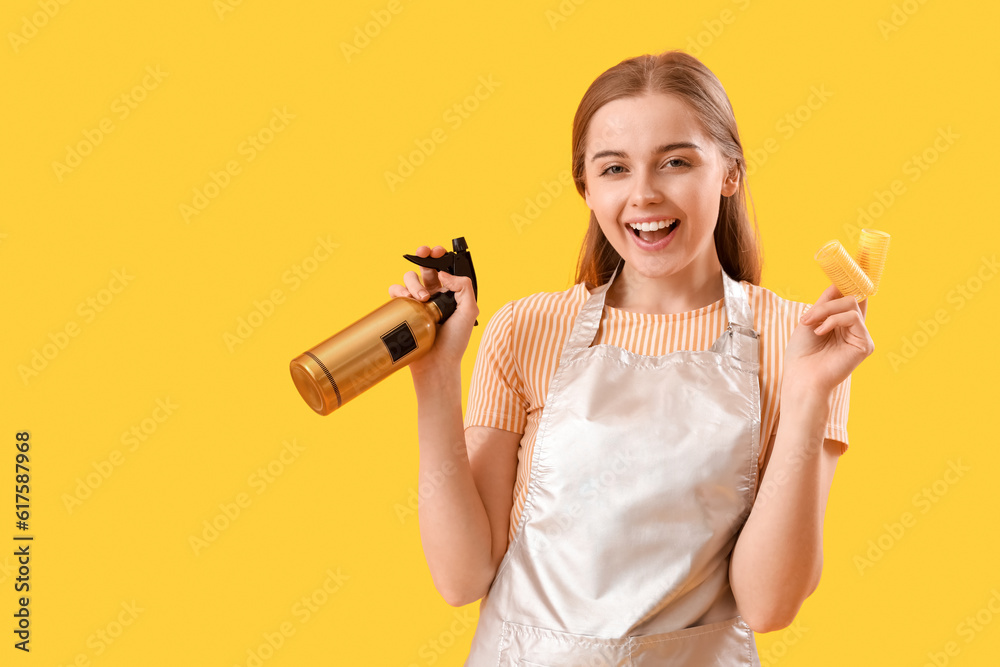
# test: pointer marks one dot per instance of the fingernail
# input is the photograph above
(423, 294)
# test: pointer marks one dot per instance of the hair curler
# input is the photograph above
(873, 248)
(380, 343)
(859, 278)
(844, 272)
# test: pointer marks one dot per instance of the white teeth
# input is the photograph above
(651, 226)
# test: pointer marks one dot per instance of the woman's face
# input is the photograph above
(649, 161)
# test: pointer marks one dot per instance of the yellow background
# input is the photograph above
(896, 75)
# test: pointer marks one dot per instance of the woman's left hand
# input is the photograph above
(828, 344)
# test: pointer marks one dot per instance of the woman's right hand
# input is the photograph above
(453, 336)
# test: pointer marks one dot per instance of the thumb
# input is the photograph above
(454, 283)
(461, 286)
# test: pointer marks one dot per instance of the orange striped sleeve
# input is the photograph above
(496, 396)
(775, 318)
(836, 425)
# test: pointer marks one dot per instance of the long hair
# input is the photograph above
(683, 75)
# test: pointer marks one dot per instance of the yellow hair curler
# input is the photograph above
(872, 251)
(844, 272)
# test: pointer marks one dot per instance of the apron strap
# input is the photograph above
(585, 327)
(742, 338)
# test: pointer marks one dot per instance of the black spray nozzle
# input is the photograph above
(458, 262)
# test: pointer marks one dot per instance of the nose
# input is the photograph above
(645, 189)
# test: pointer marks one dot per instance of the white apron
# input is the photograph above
(644, 470)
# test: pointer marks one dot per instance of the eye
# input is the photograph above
(610, 170)
(677, 162)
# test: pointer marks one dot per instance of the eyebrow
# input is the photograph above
(665, 148)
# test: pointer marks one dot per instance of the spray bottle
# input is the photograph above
(387, 339)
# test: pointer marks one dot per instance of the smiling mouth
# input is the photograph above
(651, 232)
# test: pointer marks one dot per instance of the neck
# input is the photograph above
(686, 290)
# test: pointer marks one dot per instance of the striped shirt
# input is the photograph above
(523, 341)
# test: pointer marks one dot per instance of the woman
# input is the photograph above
(607, 498)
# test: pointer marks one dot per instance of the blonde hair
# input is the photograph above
(683, 75)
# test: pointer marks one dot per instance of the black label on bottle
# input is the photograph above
(399, 342)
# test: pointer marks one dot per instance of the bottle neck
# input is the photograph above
(435, 312)
(444, 303)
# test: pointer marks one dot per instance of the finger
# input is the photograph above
(465, 296)
(430, 280)
(415, 288)
(864, 309)
(852, 328)
(454, 283)
(829, 294)
(461, 286)
(430, 276)
(846, 320)
(398, 290)
(828, 303)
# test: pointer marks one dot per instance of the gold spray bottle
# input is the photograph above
(387, 339)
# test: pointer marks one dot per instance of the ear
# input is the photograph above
(586, 196)
(732, 182)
